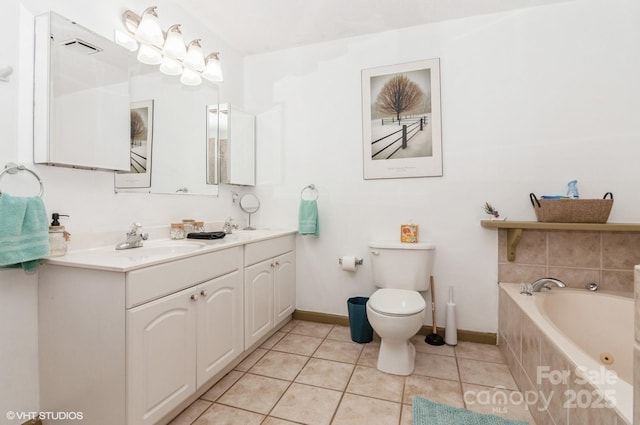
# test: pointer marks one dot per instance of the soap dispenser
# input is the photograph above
(58, 236)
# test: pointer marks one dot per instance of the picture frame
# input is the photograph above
(401, 120)
(141, 144)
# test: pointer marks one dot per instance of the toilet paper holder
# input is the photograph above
(359, 261)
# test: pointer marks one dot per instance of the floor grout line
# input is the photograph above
(355, 365)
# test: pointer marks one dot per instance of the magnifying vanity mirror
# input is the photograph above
(249, 203)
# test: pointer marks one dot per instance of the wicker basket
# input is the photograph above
(572, 210)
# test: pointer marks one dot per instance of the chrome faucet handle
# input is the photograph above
(525, 289)
(144, 236)
(134, 228)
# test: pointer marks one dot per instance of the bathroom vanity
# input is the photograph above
(127, 337)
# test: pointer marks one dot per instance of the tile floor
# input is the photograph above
(312, 373)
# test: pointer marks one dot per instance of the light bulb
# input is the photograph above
(170, 66)
(126, 41)
(174, 44)
(194, 58)
(149, 30)
(213, 69)
(190, 78)
(149, 55)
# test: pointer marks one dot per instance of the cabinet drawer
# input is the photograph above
(156, 281)
(260, 251)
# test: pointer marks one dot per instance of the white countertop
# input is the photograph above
(158, 251)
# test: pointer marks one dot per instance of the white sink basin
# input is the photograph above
(168, 248)
(159, 249)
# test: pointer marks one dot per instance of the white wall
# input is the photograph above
(530, 100)
(87, 196)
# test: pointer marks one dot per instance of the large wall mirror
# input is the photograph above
(97, 107)
(81, 97)
(176, 147)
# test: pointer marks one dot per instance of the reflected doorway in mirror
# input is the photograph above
(139, 176)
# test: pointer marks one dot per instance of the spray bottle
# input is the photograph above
(572, 189)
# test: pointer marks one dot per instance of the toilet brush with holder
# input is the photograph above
(433, 338)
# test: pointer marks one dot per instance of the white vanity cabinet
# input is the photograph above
(269, 285)
(129, 347)
(129, 340)
(177, 343)
(161, 356)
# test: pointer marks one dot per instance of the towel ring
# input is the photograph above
(12, 168)
(313, 188)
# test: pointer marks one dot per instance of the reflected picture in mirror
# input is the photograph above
(184, 144)
(141, 147)
(249, 203)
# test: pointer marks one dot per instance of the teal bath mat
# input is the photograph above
(426, 412)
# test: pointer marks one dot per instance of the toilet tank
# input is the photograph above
(402, 265)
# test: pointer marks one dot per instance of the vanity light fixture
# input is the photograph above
(168, 49)
(148, 55)
(213, 69)
(149, 30)
(170, 66)
(5, 73)
(194, 58)
(174, 43)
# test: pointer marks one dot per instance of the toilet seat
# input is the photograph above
(396, 302)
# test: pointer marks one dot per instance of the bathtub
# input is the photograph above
(593, 331)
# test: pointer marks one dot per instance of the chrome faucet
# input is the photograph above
(134, 239)
(542, 283)
(228, 226)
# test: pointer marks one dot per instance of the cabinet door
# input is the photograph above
(161, 356)
(220, 324)
(284, 281)
(258, 308)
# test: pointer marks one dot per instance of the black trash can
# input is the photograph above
(361, 330)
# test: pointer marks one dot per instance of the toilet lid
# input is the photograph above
(400, 302)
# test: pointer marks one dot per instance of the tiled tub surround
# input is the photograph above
(575, 257)
(538, 354)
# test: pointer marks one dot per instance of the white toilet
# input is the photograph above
(396, 311)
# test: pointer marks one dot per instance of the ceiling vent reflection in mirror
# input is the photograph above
(167, 49)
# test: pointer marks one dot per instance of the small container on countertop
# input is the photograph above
(177, 231)
(189, 226)
(58, 237)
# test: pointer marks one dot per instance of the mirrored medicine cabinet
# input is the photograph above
(236, 145)
(81, 97)
(86, 88)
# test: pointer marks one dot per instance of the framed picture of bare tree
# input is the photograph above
(139, 175)
(401, 126)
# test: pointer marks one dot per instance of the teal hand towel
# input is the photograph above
(426, 412)
(24, 232)
(308, 218)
